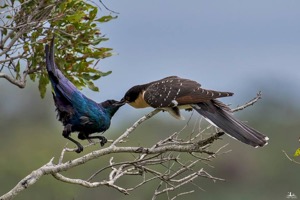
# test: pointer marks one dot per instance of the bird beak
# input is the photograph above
(120, 103)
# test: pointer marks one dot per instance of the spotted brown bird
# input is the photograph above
(174, 93)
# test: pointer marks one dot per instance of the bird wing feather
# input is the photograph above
(173, 91)
(68, 98)
(62, 87)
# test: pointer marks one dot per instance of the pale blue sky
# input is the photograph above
(225, 45)
(237, 46)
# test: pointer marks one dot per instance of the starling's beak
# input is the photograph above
(120, 103)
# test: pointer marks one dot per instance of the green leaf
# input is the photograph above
(106, 18)
(297, 152)
(32, 76)
(17, 68)
(92, 86)
(78, 82)
(26, 47)
(88, 77)
(93, 13)
(105, 73)
(76, 17)
(42, 85)
(4, 31)
(62, 6)
(98, 40)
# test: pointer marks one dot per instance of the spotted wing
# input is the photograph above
(173, 91)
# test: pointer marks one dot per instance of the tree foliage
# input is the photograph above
(26, 25)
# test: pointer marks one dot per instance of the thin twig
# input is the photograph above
(294, 161)
(250, 103)
(107, 8)
(134, 126)
(182, 193)
(19, 83)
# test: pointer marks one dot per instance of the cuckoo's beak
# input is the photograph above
(121, 102)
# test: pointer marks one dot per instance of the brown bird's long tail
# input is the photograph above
(219, 114)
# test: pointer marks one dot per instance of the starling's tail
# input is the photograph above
(219, 114)
(62, 87)
(50, 64)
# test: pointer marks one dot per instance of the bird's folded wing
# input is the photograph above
(173, 91)
(61, 84)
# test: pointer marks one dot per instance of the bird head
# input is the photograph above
(132, 94)
(112, 106)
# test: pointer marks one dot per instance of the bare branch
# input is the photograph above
(107, 8)
(182, 193)
(294, 161)
(29, 180)
(250, 103)
(76, 181)
(172, 173)
(134, 126)
(19, 83)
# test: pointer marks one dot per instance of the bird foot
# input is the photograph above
(79, 149)
(67, 130)
(103, 141)
(66, 133)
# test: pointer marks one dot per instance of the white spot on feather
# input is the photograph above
(196, 106)
(174, 102)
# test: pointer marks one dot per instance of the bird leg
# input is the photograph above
(102, 139)
(66, 133)
(83, 136)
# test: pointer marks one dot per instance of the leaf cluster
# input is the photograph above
(29, 25)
